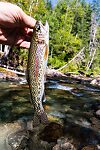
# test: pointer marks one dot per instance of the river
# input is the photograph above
(72, 105)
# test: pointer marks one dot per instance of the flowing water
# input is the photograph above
(72, 105)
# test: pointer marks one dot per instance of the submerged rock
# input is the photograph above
(45, 137)
(98, 113)
(64, 144)
(52, 132)
(90, 147)
(95, 123)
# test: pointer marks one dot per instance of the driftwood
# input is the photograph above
(16, 72)
(13, 70)
(93, 41)
(72, 59)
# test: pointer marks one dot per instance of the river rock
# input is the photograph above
(98, 113)
(9, 77)
(90, 147)
(64, 144)
(95, 123)
(18, 140)
(95, 82)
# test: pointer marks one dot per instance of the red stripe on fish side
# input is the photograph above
(36, 68)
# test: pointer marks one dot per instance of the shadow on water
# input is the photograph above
(14, 103)
(72, 105)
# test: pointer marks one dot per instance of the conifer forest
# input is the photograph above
(74, 43)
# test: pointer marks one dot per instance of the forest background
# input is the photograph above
(70, 24)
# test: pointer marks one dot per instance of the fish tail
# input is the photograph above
(40, 117)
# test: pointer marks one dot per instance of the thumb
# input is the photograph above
(28, 21)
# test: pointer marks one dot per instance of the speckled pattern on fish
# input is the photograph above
(36, 69)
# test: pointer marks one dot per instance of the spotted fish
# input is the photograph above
(37, 64)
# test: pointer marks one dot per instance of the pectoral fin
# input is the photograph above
(46, 53)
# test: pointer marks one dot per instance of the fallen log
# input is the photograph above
(54, 73)
(49, 73)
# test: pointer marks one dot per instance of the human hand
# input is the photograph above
(16, 27)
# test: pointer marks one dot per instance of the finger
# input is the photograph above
(16, 36)
(3, 40)
(25, 44)
(29, 32)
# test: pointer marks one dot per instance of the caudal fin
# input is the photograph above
(40, 118)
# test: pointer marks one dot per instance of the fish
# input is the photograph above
(36, 71)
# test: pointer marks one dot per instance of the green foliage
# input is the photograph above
(71, 68)
(56, 62)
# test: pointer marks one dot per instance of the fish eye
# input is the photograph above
(37, 26)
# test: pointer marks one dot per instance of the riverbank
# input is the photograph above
(9, 75)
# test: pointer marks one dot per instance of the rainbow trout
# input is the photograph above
(37, 63)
